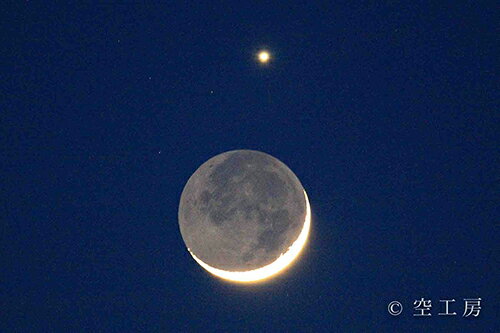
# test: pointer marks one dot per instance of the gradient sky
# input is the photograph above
(387, 113)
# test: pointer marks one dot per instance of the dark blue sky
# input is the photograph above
(387, 113)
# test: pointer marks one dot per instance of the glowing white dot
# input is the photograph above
(264, 57)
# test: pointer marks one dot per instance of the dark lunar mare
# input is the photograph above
(241, 210)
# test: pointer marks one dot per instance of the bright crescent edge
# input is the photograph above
(283, 261)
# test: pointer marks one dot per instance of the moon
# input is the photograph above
(244, 216)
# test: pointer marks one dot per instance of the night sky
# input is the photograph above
(386, 112)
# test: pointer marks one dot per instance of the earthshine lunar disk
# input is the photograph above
(244, 216)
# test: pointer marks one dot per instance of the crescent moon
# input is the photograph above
(244, 216)
(273, 268)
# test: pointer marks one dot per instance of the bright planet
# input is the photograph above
(244, 216)
(264, 57)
